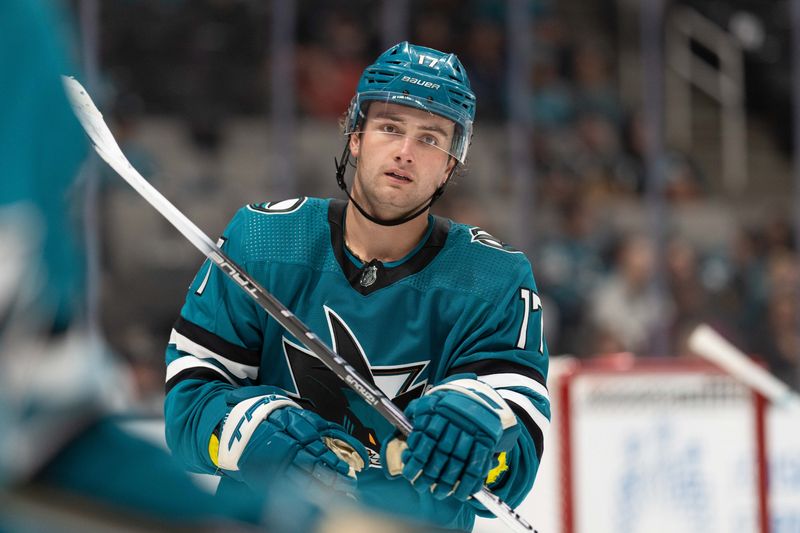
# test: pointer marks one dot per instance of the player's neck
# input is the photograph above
(368, 241)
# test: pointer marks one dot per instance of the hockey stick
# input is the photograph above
(712, 346)
(106, 146)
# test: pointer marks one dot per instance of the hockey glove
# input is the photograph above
(268, 435)
(459, 426)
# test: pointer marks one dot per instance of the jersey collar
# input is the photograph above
(361, 278)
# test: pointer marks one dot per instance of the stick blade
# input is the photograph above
(92, 121)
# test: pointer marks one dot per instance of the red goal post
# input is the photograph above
(651, 445)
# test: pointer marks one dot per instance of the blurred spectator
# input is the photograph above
(779, 340)
(464, 209)
(741, 298)
(686, 291)
(222, 43)
(551, 95)
(557, 183)
(485, 60)
(328, 70)
(625, 311)
(598, 152)
(569, 267)
(595, 92)
(681, 179)
(777, 337)
(550, 35)
(629, 172)
(778, 235)
(434, 30)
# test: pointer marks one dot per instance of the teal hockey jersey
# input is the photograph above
(460, 302)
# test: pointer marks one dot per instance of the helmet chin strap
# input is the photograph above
(341, 168)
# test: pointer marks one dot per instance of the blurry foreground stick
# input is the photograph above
(107, 147)
(712, 346)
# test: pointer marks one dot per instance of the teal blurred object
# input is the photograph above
(41, 144)
(59, 384)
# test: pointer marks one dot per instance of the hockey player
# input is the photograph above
(442, 317)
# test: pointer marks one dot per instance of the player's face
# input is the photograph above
(402, 158)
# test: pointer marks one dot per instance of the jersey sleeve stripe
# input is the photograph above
(190, 367)
(187, 345)
(203, 374)
(533, 420)
(498, 381)
(216, 344)
(533, 430)
(487, 367)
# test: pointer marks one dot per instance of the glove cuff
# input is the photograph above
(241, 423)
(484, 394)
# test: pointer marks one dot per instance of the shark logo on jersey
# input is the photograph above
(485, 238)
(279, 208)
(319, 389)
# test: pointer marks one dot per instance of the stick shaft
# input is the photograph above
(107, 147)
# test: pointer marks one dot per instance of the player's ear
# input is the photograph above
(451, 163)
(355, 143)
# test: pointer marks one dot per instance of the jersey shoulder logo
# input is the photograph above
(485, 238)
(282, 207)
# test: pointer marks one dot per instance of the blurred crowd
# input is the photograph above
(605, 289)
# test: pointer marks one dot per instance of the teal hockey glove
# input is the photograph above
(459, 426)
(268, 435)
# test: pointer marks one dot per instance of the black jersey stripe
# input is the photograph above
(217, 344)
(201, 373)
(499, 366)
(533, 430)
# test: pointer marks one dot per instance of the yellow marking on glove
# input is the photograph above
(213, 449)
(497, 471)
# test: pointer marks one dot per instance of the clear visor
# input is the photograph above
(398, 118)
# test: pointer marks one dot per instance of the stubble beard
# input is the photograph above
(385, 201)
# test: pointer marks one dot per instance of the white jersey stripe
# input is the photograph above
(185, 344)
(524, 403)
(189, 361)
(498, 381)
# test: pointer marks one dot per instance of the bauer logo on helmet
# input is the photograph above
(423, 83)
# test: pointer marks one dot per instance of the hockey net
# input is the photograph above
(648, 446)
